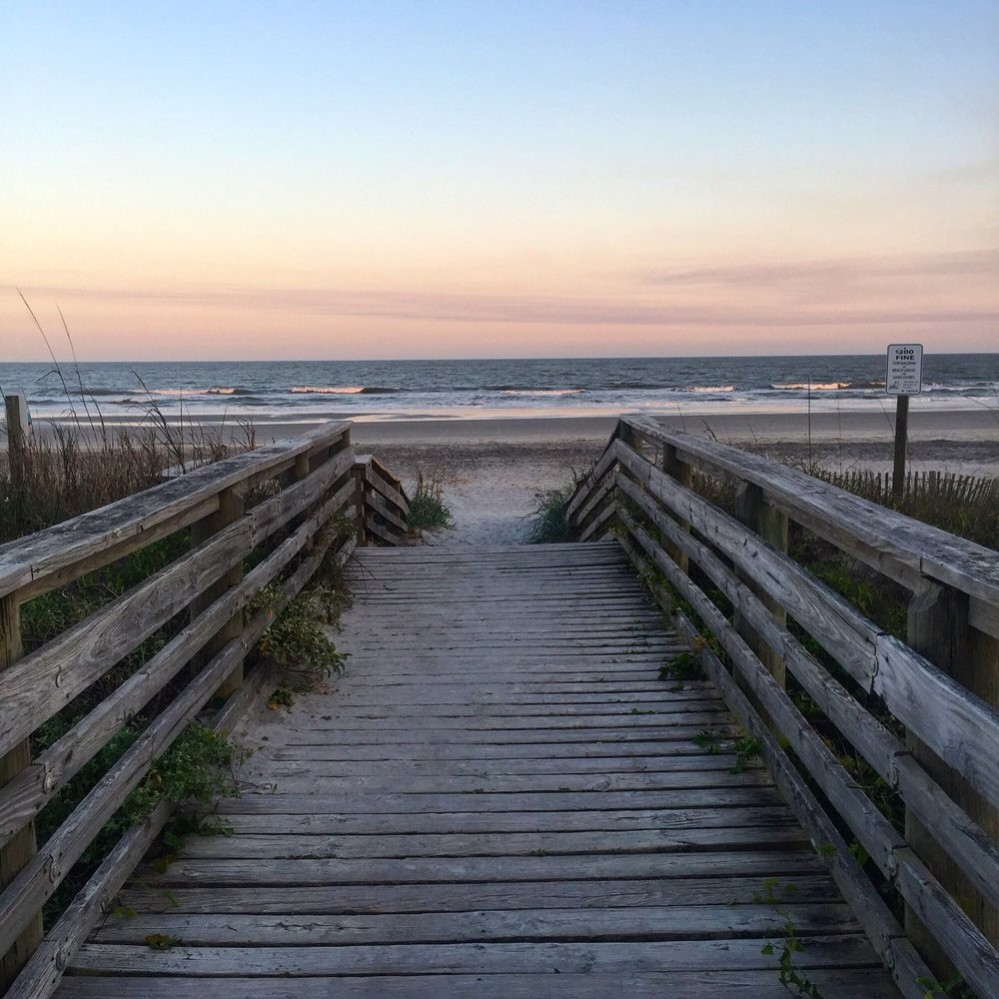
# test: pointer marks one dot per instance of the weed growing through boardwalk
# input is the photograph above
(427, 509)
(296, 641)
(790, 976)
(745, 747)
(682, 667)
(551, 525)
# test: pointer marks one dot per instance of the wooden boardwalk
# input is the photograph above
(499, 799)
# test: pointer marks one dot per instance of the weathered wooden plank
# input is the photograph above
(764, 813)
(681, 922)
(739, 983)
(376, 502)
(298, 748)
(42, 682)
(380, 531)
(538, 958)
(958, 726)
(506, 700)
(629, 721)
(423, 774)
(496, 896)
(585, 488)
(663, 780)
(728, 863)
(493, 844)
(707, 788)
(380, 478)
(645, 733)
(18, 849)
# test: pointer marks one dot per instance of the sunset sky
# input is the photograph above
(235, 180)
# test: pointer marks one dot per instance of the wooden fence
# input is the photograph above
(914, 718)
(266, 516)
(947, 486)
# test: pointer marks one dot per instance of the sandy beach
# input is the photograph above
(495, 472)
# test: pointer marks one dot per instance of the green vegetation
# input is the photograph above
(195, 771)
(427, 509)
(790, 977)
(953, 988)
(297, 643)
(551, 524)
(745, 747)
(83, 465)
(683, 667)
(965, 506)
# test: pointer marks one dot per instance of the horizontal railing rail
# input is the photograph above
(807, 671)
(262, 519)
(385, 505)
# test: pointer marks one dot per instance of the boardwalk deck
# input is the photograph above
(499, 798)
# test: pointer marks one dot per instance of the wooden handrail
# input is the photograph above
(383, 499)
(312, 485)
(901, 548)
(665, 524)
(66, 551)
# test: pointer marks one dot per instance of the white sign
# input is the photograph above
(905, 369)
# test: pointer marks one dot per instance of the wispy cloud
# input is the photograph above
(971, 263)
(536, 310)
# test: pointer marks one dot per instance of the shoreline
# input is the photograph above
(759, 427)
(495, 472)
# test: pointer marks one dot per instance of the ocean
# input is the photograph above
(306, 390)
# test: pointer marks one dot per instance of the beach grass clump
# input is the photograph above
(551, 522)
(72, 469)
(427, 509)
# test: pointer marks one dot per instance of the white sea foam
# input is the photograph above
(543, 392)
(327, 389)
(813, 386)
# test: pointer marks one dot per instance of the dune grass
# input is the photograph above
(427, 509)
(551, 525)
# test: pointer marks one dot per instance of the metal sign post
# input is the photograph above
(904, 377)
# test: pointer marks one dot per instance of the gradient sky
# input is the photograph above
(235, 180)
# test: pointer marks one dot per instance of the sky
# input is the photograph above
(553, 178)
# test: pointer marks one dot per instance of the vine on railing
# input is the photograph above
(885, 744)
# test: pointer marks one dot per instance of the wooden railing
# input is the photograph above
(383, 508)
(278, 511)
(921, 713)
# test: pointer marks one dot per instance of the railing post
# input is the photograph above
(22, 847)
(770, 524)
(938, 629)
(359, 486)
(231, 508)
(14, 408)
(682, 472)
